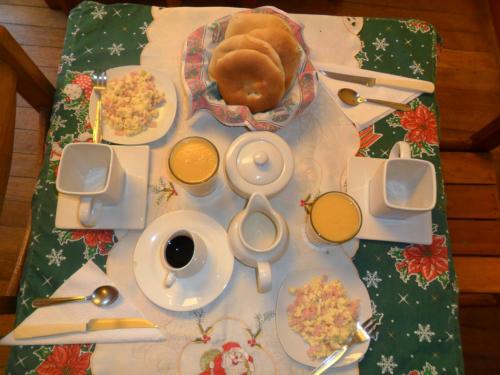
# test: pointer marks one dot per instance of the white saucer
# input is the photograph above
(131, 212)
(340, 268)
(166, 111)
(189, 293)
(416, 229)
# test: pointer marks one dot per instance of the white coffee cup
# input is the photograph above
(184, 258)
(402, 187)
(93, 172)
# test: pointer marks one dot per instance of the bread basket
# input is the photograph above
(203, 93)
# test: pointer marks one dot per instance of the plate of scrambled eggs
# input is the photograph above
(317, 310)
(138, 105)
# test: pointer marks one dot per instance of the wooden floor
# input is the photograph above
(468, 88)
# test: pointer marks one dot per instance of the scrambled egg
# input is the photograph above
(129, 103)
(323, 315)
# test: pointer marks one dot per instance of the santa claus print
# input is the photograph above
(232, 360)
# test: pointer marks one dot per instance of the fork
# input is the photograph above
(99, 81)
(361, 335)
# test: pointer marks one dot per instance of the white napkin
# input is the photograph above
(83, 282)
(364, 114)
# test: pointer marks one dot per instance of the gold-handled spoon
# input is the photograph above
(351, 97)
(103, 296)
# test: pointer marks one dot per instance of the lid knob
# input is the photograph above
(260, 158)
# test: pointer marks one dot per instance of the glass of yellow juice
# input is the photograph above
(333, 218)
(194, 162)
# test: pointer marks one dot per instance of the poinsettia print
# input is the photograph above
(428, 369)
(421, 128)
(416, 26)
(102, 240)
(96, 242)
(65, 360)
(426, 262)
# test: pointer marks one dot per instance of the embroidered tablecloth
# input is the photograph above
(412, 287)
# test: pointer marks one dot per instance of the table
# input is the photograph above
(413, 287)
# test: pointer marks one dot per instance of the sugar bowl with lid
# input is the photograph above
(259, 165)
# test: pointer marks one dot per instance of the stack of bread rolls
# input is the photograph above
(257, 61)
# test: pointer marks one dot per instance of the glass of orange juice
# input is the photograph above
(333, 218)
(194, 162)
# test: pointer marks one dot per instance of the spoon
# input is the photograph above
(103, 296)
(351, 97)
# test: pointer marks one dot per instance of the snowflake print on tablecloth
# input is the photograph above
(416, 68)
(426, 262)
(96, 242)
(143, 28)
(387, 364)
(428, 369)
(98, 12)
(424, 333)
(416, 26)
(421, 128)
(55, 257)
(66, 60)
(367, 138)
(63, 359)
(116, 49)
(380, 44)
(372, 279)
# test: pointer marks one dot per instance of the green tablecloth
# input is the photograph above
(412, 287)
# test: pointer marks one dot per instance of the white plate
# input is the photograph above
(189, 293)
(340, 268)
(166, 111)
(131, 212)
(416, 229)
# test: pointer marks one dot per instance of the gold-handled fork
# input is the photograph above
(362, 334)
(99, 81)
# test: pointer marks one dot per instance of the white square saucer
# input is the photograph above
(131, 212)
(416, 229)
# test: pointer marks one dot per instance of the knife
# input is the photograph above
(30, 331)
(401, 83)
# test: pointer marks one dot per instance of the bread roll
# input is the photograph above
(286, 46)
(242, 42)
(243, 23)
(248, 77)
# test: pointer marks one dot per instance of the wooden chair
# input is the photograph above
(18, 74)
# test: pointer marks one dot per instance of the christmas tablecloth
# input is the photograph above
(412, 287)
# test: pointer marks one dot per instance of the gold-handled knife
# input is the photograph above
(29, 331)
(400, 83)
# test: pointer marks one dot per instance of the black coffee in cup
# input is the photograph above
(179, 251)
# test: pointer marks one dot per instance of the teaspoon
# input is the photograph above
(351, 97)
(103, 296)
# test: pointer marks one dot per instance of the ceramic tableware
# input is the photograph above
(190, 293)
(258, 237)
(194, 162)
(414, 229)
(339, 267)
(183, 255)
(333, 218)
(166, 115)
(94, 174)
(259, 162)
(402, 187)
(130, 212)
